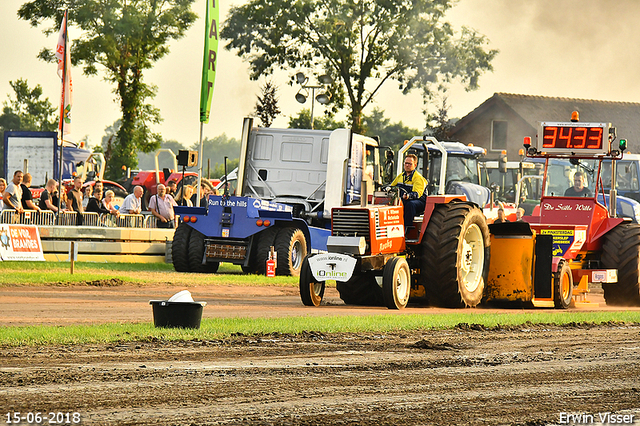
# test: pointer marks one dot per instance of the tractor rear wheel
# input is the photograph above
(196, 254)
(291, 246)
(362, 290)
(621, 251)
(180, 248)
(563, 286)
(396, 283)
(455, 255)
(311, 291)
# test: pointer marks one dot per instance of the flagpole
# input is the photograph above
(61, 126)
(200, 166)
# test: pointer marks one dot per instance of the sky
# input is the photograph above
(583, 49)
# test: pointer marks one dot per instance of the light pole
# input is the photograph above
(323, 97)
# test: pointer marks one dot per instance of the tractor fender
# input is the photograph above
(606, 226)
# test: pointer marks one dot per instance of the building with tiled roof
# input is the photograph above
(502, 121)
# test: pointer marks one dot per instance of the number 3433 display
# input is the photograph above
(575, 137)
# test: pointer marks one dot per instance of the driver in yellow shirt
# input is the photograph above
(412, 186)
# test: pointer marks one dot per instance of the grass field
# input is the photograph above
(58, 273)
(45, 273)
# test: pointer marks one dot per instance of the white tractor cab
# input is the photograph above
(462, 175)
(503, 180)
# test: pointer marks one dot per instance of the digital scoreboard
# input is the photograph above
(574, 137)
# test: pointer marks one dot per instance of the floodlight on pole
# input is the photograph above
(322, 98)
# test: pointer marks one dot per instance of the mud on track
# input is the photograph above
(525, 375)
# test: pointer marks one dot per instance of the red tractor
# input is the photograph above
(444, 257)
(441, 257)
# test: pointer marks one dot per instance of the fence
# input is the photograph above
(49, 218)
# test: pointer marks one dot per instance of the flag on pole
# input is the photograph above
(64, 72)
(210, 59)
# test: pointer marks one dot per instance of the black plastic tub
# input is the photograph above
(177, 314)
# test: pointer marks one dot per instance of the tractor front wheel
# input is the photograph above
(621, 251)
(563, 286)
(396, 283)
(311, 291)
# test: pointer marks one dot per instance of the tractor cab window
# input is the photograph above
(562, 174)
(626, 175)
(461, 169)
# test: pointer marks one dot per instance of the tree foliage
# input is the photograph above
(390, 134)
(438, 123)
(324, 122)
(26, 111)
(362, 44)
(267, 106)
(123, 37)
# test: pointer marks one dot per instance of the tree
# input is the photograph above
(363, 43)
(303, 121)
(213, 153)
(438, 123)
(26, 112)
(390, 134)
(267, 106)
(125, 37)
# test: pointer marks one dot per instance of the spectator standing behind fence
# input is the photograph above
(204, 191)
(27, 197)
(12, 197)
(107, 203)
(172, 188)
(184, 196)
(132, 203)
(95, 203)
(3, 187)
(75, 200)
(48, 199)
(161, 206)
(88, 192)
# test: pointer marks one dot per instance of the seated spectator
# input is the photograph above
(132, 204)
(108, 203)
(27, 197)
(161, 206)
(88, 191)
(48, 198)
(95, 203)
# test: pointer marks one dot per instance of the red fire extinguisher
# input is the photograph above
(271, 263)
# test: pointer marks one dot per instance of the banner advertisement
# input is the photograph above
(20, 242)
(210, 59)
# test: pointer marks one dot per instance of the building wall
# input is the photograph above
(478, 131)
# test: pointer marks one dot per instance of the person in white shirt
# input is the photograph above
(12, 197)
(161, 206)
(132, 204)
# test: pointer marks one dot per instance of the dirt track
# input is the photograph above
(527, 375)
